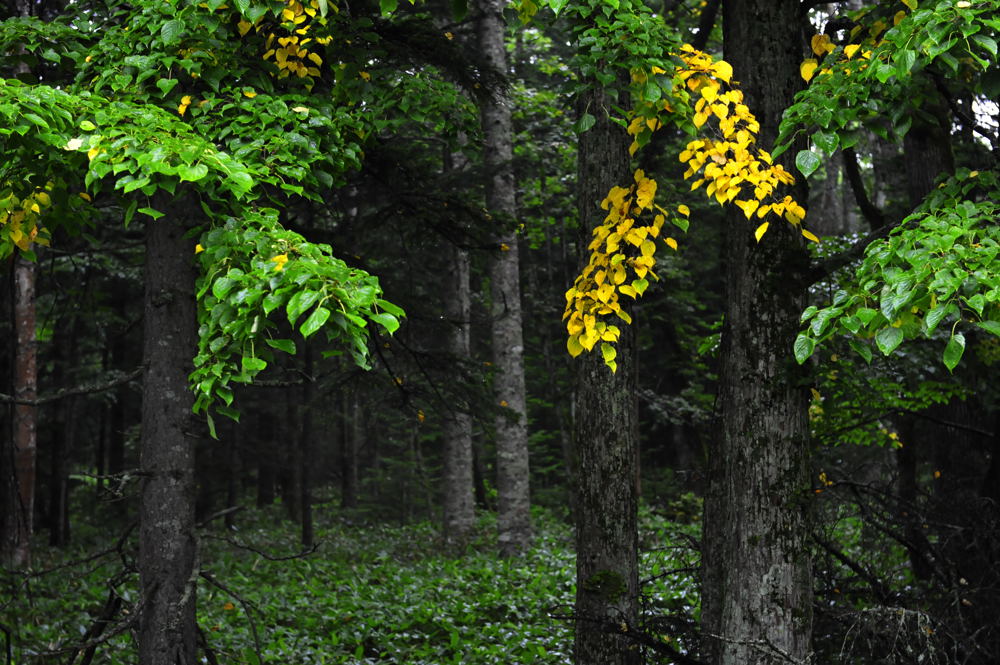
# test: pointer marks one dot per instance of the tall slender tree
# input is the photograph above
(514, 519)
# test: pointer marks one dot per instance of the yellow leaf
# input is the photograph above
(93, 152)
(808, 68)
(504, 247)
(748, 207)
(684, 210)
(249, 93)
(228, 607)
(243, 27)
(851, 49)
(761, 230)
(912, 4)
(280, 260)
(365, 75)
(723, 70)
(420, 415)
(809, 236)
(821, 44)
(85, 196)
(671, 243)
(300, 109)
(43, 198)
(198, 249)
(449, 36)
(900, 15)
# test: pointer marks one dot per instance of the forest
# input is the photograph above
(591, 332)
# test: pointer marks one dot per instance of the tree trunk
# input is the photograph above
(604, 434)
(351, 436)
(756, 567)
(167, 542)
(514, 516)
(17, 539)
(308, 456)
(459, 501)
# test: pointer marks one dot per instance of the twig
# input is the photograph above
(222, 513)
(243, 546)
(246, 610)
(74, 391)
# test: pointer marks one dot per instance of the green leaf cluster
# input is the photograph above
(936, 275)
(255, 271)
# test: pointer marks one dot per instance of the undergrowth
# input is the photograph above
(369, 594)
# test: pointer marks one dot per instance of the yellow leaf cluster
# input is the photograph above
(622, 255)
(289, 51)
(20, 217)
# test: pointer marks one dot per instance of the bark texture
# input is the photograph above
(167, 544)
(17, 539)
(514, 516)
(756, 566)
(604, 433)
(459, 500)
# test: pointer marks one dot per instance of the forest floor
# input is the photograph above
(370, 593)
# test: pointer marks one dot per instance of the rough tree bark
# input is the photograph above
(514, 515)
(604, 434)
(24, 440)
(167, 541)
(756, 567)
(459, 500)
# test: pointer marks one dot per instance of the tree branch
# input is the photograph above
(870, 211)
(76, 390)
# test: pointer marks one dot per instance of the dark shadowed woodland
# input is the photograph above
(602, 332)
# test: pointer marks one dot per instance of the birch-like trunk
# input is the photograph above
(459, 499)
(514, 517)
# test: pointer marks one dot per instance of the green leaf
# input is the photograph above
(809, 312)
(826, 141)
(221, 287)
(286, 345)
(299, 303)
(935, 315)
(803, 347)
(888, 339)
(87, 126)
(862, 349)
(807, 162)
(315, 321)
(155, 214)
(585, 122)
(977, 302)
(387, 321)
(244, 181)
(954, 350)
(192, 172)
(990, 326)
(171, 31)
(244, 5)
(459, 10)
(251, 364)
(395, 310)
(608, 352)
(166, 85)
(987, 43)
(388, 6)
(904, 62)
(640, 285)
